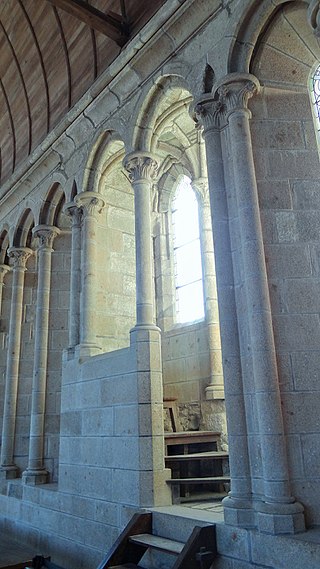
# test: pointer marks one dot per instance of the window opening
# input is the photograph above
(187, 254)
(315, 96)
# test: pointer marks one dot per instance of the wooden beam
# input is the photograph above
(110, 24)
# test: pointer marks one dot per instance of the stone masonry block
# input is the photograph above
(305, 369)
(126, 420)
(98, 422)
(296, 332)
(301, 295)
(125, 487)
(282, 552)
(106, 511)
(298, 408)
(310, 450)
(119, 390)
(233, 542)
(124, 452)
(274, 195)
(71, 423)
(288, 260)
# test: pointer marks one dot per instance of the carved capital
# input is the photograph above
(75, 212)
(46, 235)
(209, 113)
(141, 166)
(314, 16)
(201, 186)
(91, 204)
(235, 90)
(4, 269)
(19, 256)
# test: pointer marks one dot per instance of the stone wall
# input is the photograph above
(111, 431)
(287, 165)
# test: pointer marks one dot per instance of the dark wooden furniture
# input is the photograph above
(195, 463)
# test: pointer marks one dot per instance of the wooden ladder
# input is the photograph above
(197, 553)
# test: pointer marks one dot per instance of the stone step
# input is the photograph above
(158, 543)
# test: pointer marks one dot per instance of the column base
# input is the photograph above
(278, 518)
(8, 472)
(239, 512)
(85, 351)
(214, 392)
(35, 477)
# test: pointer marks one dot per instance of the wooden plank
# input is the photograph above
(159, 543)
(123, 551)
(206, 455)
(205, 480)
(188, 437)
(109, 24)
(200, 549)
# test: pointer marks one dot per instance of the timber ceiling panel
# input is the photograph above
(51, 51)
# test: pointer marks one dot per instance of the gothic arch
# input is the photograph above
(23, 232)
(148, 113)
(251, 28)
(52, 206)
(4, 245)
(99, 158)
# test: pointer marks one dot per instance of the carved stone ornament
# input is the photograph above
(46, 235)
(208, 113)
(141, 166)
(75, 212)
(90, 203)
(235, 91)
(314, 16)
(201, 185)
(19, 256)
(3, 271)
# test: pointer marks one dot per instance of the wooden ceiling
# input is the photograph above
(51, 51)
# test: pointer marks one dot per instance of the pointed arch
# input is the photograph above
(23, 232)
(4, 245)
(52, 206)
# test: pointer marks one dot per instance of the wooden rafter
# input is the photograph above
(110, 24)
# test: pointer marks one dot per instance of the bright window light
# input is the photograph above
(187, 254)
(315, 96)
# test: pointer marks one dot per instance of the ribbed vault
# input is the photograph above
(51, 51)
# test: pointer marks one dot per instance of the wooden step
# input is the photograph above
(204, 480)
(126, 566)
(209, 455)
(159, 543)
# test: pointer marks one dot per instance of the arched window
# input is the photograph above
(187, 254)
(315, 96)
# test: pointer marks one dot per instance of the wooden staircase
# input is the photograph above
(136, 539)
(195, 462)
(197, 553)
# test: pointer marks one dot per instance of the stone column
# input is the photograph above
(278, 513)
(75, 213)
(19, 257)
(91, 205)
(215, 389)
(35, 472)
(142, 169)
(145, 340)
(238, 505)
